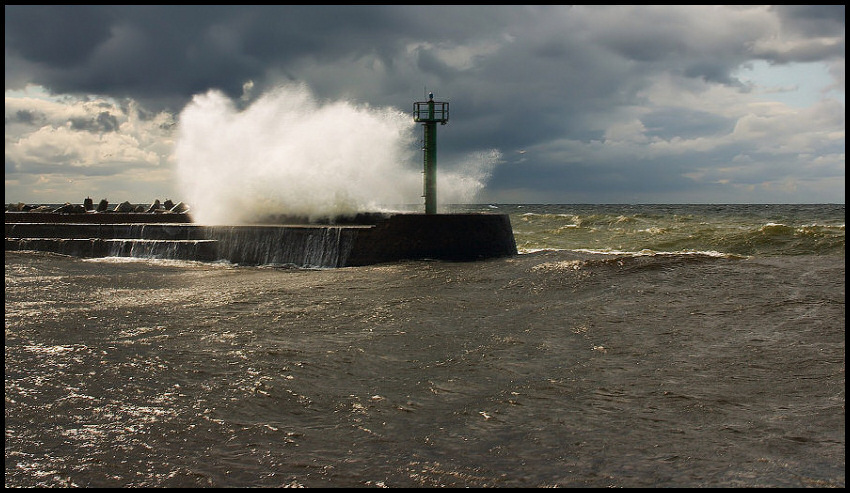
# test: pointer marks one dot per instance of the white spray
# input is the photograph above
(288, 154)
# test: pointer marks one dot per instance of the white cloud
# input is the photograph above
(58, 143)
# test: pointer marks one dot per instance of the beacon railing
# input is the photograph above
(422, 112)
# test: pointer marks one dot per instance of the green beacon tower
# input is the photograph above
(429, 113)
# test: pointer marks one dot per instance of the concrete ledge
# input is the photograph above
(68, 230)
(97, 217)
(452, 237)
(455, 237)
(200, 250)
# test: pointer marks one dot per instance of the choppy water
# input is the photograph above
(558, 367)
(746, 229)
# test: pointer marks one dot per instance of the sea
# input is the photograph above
(624, 346)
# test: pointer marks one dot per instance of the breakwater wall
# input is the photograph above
(384, 238)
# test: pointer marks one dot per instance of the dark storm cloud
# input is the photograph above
(61, 36)
(617, 180)
(152, 54)
(163, 55)
(518, 77)
(26, 117)
(166, 54)
(813, 20)
(103, 122)
(668, 123)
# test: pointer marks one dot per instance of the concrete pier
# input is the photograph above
(384, 238)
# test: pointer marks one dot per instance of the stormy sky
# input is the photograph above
(570, 104)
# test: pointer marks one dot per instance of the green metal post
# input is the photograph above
(429, 116)
(431, 161)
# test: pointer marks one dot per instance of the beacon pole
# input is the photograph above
(429, 113)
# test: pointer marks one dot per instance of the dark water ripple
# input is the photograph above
(547, 369)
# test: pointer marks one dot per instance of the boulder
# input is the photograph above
(69, 208)
(124, 207)
(180, 208)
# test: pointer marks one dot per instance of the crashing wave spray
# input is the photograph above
(288, 154)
